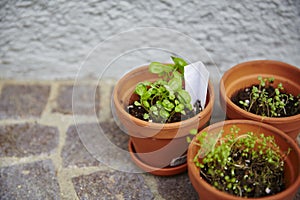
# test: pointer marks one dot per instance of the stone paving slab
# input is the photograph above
(115, 135)
(43, 156)
(85, 99)
(179, 183)
(74, 153)
(32, 181)
(112, 185)
(23, 101)
(21, 140)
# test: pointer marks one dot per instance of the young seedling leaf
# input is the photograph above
(140, 89)
(180, 63)
(164, 114)
(184, 97)
(175, 84)
(146, 116)
(137, 103)
(156, 68)
(193, 131)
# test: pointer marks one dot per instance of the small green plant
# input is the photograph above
(246, 165)
(166, 96)
(269, 101)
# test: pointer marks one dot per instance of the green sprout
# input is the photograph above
(166, 96)
(241, 164)
(268, 101)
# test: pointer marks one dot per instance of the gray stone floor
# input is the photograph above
(43, 157)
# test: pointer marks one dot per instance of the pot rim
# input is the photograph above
(210, 188)
(241, 111)
(208, 108)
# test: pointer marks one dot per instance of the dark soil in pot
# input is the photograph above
(250, 176)
(243, 98)
(242, 164)
(139, 111)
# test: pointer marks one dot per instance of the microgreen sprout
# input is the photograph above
(269, 101)
(165, 97)
(241, 163)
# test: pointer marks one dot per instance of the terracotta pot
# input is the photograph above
(156, 144)
(245, 75)
(166, 171)
(291, 170)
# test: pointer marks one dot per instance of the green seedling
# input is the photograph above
(241, 164)
(267, 104)
(166, 96)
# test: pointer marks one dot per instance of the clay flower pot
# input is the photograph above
(245, 74)
(291, 169)
(156, 145)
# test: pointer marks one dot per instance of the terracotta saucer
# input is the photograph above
(166, 171)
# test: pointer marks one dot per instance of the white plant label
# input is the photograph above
(178, 161)
(196, 81)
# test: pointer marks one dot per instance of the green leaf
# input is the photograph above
(262, 81)
(153, 108)
(164, 114)
(137, 103)
(193, 131)
(184, 97)
(153, 90)
(140, 89)
(146, 95)
(146, 116)
(280, 86)
(156, 68)
(188, 139)
(169, 107)
(165, 102)
(160, 82)
(178, 75)
(147, 83)
(179, 63)
(146, 104)
(172, 96)
(271, 79)
(161, 89)
(175, 84)
(189, 106)
(158, 104)
(159, 68)
(179, 108)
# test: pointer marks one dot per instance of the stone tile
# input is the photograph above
(74, 153)
(105, 111)
(112, 185)
(29, 181)
(85, 100)
(21, 140)
(176, 187)
(115, 134)
(21, 101)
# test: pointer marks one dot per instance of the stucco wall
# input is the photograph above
(44, 39)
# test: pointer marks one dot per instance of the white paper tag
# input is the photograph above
(178, 161)
(196, 81)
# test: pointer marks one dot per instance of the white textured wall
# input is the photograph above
(44, 39)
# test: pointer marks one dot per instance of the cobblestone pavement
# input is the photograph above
(43, 157)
